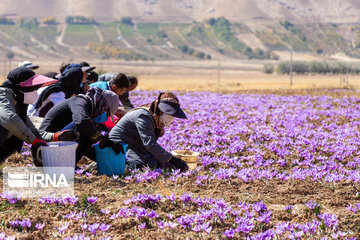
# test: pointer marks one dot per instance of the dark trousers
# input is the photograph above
(137, 160)
(8, 146)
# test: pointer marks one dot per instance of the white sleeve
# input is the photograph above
(56, 98)
(32, 111)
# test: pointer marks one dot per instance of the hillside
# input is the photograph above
(213, 38)
(338, 11)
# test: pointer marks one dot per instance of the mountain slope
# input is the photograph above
(340, 11)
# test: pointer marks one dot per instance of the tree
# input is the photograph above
(49, 21)
(6, 21)
(268, 68)
(127, 20)
(184, 48)
(69, 19)
(211, 21)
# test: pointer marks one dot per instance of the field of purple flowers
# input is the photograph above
(271, 167)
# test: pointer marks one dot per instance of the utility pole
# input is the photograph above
(219, 71)
(291, 65)
(4, 67)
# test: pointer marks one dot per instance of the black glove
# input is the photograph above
(66, 135)
(106, 142)
(178, 163)
(97, 137)
(34, 148)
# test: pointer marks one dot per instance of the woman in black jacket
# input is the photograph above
(78, 113)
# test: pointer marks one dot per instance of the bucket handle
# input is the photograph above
(38, 154)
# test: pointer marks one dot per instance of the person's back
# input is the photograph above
(101, 84)
(107, 76)
(59, 116)
(126, 131)
(53, 99)
(56, 93)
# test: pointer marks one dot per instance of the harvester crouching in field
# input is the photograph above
(19, 90)
(141, 127)
(78, 113)
(124, 98)
(119, 85)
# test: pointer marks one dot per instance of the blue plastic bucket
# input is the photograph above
(108, 162)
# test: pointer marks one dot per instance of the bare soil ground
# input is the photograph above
(276, 194)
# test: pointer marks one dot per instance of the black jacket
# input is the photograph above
(75, 109)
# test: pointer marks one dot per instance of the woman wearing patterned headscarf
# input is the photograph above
(141, 127)
(78, 113)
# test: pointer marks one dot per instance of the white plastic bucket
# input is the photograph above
(59, 154)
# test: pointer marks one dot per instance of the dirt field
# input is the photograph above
(219, 122)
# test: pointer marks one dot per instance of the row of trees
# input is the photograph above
(315, 67)
(6, 21)
(199, 54)
(80, 20)
(48, 20)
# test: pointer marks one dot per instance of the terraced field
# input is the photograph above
(79, 35)
(215, 37)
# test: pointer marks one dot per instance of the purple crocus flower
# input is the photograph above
(40, 226)
(92, 200)
(259, 207)
(160, 224)
(104, 227)
(93, 228)
(330, 220)
(312, 204)
(63, 228)
(296, 235)
(352, 208)
(77, 237)
(105, 211)
(14, 224)
(288, 208)
(79, 171)
(170, 224)
(229, 233)
(172, 197)
(186, 197)
(142, 226)
(25, 223)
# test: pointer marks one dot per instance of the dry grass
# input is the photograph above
(243, 81)
(205, 76)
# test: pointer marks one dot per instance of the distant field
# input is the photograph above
(109, 31)
(148, 29)
(233, 82)
(77, 34)
(126, 30)
(205, 76)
